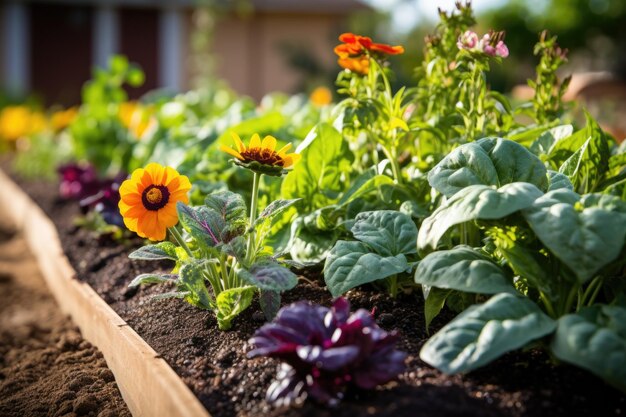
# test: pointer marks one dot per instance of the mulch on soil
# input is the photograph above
(214, 364)
(46, 367)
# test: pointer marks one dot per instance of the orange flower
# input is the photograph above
(321, 96)
(148, 200)
(137, 118)
(261, 157)
(355, 51)
(62, 118)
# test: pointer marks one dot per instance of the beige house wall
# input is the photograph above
(248, 51)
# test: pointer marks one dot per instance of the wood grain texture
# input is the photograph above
(149, 386)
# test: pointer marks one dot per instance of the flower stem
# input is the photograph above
(253, 209)
(179, 239)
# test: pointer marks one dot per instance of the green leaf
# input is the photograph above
(489, 161)
(203, 224)
(433, 304)
(558, 180)
(191, 279)
(463, 269)
(388, 232)
(584, 233)
(594, 339)
(365, 184)
(152, 279)
(473, 203)
(230, 206)
(319, 177)
(230, 303)
(269, 275)
(270, 303)
(485, 332)
(275, 208)
(161, 250)
(545, 141)
(351, 264)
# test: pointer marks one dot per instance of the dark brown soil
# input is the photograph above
(214, 364)
(46, 368)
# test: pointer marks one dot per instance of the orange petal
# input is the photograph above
(168, 216)
(184, 183)
(255, 141)
(231, 151)
(269, 142)
(156, 171)
(131, 223)
(180, 195)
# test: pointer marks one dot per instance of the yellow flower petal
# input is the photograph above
(269, 142)
(240, 146)
(156, 171)
(284, 149)
(231, 151)
(291, 159)
(255, 141)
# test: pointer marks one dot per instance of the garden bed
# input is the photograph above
(214, 366)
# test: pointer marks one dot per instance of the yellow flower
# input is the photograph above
(62, 118)
(261, 156)
(321, 96)
(136, 118)
(20, 121)
(148, 200)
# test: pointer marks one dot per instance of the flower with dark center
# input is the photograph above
(148, 200)
(261, 156)
(326, 351)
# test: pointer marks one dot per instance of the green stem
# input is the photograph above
(592, 299)
(570, 300)
(393, 286)
(395, 168)
(548, 305)
(179, 239)
(225, 280)
(253, 209)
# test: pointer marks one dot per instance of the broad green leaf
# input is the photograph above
(463, 269)
(161, 250)
(351, 264)
(473, 203)
(191, 279)
(275, 208)
(152, 279)
(230, 206)
(594, 339)
(310, 244)
(592, 162)
(205, 225)
(525, 135)
(558, 180)
(230, 303)
(489, 161)
(363, 185)
(269, 275)
(485, 332)
(584, 233)
(433, 304)
(545, 141)
(388, 232)
(270, 303)
(171, 294)
(319, 177)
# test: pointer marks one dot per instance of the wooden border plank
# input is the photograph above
(147, 383)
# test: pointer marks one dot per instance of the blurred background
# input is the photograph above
(49, 47)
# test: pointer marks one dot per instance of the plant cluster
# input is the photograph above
(513, 216)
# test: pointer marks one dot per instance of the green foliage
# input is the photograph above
(485, 332)
(386, 238)
(594, 339)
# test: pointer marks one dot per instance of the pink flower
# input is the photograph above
(502, 50)
(468, 40)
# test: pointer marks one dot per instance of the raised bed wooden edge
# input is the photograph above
(147, 383)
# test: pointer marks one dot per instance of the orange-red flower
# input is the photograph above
(355, 51)
(148, 200)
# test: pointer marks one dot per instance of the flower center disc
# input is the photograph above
(263, 156)
(155, 197)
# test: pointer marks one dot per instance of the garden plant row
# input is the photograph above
(502, 223)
